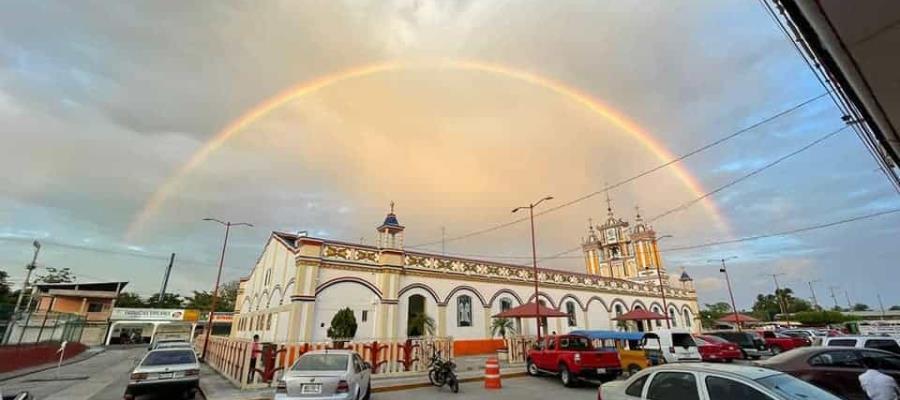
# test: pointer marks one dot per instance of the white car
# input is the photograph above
(326, 374)
(165, 371)
(885, 343)
(702, 381)
(674, 345)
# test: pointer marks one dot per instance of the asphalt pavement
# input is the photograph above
(520, 388)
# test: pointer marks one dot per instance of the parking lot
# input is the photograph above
(519, 388)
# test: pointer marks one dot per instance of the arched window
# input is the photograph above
(570, 313)
(543, 319)
(618, 310)
(658, 311)
(505, 304)
(687, 318)
(673, 317)
(464, 311)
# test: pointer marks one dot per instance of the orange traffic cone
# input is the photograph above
(492, 374)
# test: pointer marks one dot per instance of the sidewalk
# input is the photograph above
(214, 386)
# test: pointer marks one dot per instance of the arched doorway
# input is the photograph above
(640, 324)
(416, 316)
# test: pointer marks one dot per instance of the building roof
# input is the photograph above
(685, 277)
(94, 286)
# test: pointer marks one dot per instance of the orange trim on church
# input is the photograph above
(476, 346)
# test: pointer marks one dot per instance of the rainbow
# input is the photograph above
(236, 127)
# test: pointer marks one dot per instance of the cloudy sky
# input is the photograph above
(102, 103)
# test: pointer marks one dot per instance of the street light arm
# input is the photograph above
(517, 209)
(242, 224)
(215, 220)
(542, 200)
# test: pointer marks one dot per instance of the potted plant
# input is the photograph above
(420, 325)
(343, 327)
(503, 327)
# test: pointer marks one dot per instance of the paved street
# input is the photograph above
(521, 388)
(82, 380)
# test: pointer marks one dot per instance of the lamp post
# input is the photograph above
(662, 289)
(724, 270)
(29, 268)
(215, 294)
(537, 306)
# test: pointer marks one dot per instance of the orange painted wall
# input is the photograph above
(473, 347)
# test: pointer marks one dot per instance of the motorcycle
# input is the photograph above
(441, 372)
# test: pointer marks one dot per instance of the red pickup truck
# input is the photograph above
(573, 358)
(778, 343)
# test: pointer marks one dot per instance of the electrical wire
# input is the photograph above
(630, 179)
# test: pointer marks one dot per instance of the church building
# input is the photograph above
(299, 282)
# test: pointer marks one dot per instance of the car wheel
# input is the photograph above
(368, 392)
(633, 369)
(531, 368)
(565, 376)
(776, 350)
(190, 394)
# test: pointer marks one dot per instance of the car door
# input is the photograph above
(837, 371)
(883, 362)
(364, 375)
(673, 385)
(546, 359)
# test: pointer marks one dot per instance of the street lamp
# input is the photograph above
(28, 268)
(215, 294)
(537, 306)
(662, 289)
(724, 270)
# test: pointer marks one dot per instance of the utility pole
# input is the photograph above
(215, 294)
(880, 305)
(813, 291)
(849, 304)
(779, 297)
(737, 318)
(443, 239)
(28, 269)
(537, 304)
(662, 288)
(165, 281)
(833, 296)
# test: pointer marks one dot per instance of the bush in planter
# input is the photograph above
(420, 325)
(502, 327)
(343, 326)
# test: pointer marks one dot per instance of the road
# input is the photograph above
(101, 377)
(522, 388)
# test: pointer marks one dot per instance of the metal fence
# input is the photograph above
(37, 327)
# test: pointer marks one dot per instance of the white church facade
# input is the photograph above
(299, 282)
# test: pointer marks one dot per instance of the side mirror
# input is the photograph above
(367, 365)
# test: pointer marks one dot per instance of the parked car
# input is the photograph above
(573, 358)
(778, 343)
(752, 346)
(326, 374)
(633, 356)
(835, 369)
(675, 345)
(165, 371)
(711, 382)
(714, 348)
(869, 342)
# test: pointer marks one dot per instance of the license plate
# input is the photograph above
(311, 388)
(601, 370)
(165, 375)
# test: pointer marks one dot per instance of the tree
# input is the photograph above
(343, 325)
(861, 307)
(5, 291)
(169, 300)
(202, 300)
(819, 318)
(712, 313)
(894, 308)
(502, 327)
(54, 275)
(130, 300)
(420, 325)
(769, 305)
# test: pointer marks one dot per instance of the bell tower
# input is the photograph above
(592, 250)
(390, 233)
(646, 248)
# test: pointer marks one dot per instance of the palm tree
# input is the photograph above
(502, 326)
(420, 325)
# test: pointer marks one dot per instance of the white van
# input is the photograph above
(886, 343)
(674, 345)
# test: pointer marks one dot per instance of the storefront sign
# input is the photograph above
(153, 314)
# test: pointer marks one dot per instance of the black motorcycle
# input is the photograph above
(441, 372)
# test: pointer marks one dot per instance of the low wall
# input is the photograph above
(477, 347)
(231, 357)
(34, 354)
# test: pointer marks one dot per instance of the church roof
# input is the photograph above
(391, 220)
(685, 277)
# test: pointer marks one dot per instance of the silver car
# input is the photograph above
(171, 371)
(326, 374)
(704, 381)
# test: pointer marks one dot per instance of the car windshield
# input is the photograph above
(794, 389)
(175, 344)
(322, 362)
(169, 357)
(682, 340)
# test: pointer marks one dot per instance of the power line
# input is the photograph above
(740, 179)
(632, 178)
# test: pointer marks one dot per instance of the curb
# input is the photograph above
(428, 384)
(53, 365)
